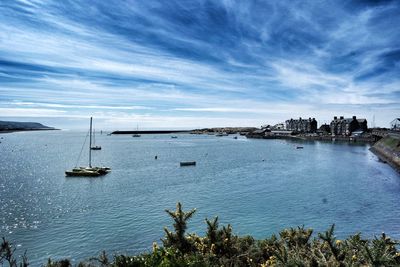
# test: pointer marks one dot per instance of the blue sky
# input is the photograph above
(189, 64)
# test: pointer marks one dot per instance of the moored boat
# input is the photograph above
(188, 163)
(88, 171)
(82, 172)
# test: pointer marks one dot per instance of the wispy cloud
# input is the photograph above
(213, 62)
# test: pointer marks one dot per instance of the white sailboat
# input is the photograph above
(94, 147)
(90, 170)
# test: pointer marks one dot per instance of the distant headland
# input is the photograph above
(16, 126)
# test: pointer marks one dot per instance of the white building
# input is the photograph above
(395, 124)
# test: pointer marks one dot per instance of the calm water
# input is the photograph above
(259, 186)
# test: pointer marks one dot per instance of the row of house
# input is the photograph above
(302, 125)
(348, 126)
(338, 126)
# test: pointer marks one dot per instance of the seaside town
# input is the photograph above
(385, 142)
(339, 129)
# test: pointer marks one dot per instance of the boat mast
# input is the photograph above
(90, 144)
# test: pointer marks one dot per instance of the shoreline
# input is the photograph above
(26, 130)
(387, 150)
(346, 139)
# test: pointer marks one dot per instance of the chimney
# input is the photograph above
(341, 117)
(335, 118)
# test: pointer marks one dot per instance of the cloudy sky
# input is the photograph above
(198, 63)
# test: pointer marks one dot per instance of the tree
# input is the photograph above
(178, 239)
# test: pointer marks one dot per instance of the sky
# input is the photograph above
(195, 63)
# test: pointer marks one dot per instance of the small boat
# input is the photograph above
(137, 130)
(88, 171)
(235, 137)
(188, 163)
(174, 136)
(299, 147)
(94, 147)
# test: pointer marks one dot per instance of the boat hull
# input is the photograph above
(82, 173)
(188, 163)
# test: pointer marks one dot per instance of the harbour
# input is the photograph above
(248, 183)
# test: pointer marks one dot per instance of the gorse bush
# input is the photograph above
(221, 247)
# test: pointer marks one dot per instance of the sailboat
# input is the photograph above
(137, 132)
(94, 147)
(90, 170)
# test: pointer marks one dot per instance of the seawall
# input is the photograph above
(388, 150)
(349, 139)
(151, 132)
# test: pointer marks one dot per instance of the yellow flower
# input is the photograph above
(338, 242)
(212, 248)
(155, 246)
(354, 258)
(397, 254)
(270, 262)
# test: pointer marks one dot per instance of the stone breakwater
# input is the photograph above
(388, 150)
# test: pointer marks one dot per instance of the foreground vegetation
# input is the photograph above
(221, 247)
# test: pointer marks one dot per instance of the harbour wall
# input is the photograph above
(151, 132)
(358, 139)
(388, 150)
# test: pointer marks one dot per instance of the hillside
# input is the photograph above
(10, 126)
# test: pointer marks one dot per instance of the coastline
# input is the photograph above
(27, 130)
(316, 138)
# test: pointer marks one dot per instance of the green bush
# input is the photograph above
(221, 247)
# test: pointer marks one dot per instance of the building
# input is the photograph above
(279, 126)
(346, 126)
(325, 129)
(395, 124)
(302, 125)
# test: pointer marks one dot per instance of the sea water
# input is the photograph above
(257, 186)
